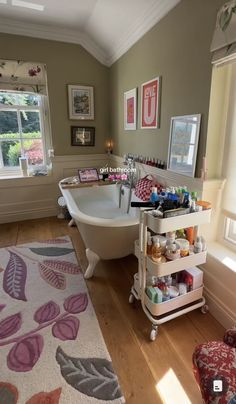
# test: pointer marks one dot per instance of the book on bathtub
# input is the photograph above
(88, 175)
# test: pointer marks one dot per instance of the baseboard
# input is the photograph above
(219, 310)
(29, 214)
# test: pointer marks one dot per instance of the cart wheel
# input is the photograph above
(153, 333)
(204, 309)
(131, 298)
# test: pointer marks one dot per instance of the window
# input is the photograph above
(22, 129)
(230, 231)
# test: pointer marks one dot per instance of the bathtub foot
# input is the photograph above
(71, 223)
(93, 259)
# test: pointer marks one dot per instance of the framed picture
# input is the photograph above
(130, 109)
(88, 175)
(82, 136)
(81, 102)
(183, 144)
(150, 104)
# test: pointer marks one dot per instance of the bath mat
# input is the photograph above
(51, 347)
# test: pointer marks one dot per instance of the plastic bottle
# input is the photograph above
(156, 250)
(149, 245)
(154, 197)
(197, 245)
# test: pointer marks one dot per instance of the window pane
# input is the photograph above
(232, 230)
(19, 99)
(30, 123)
(182, 158)
(184, 132)
(8, 125)
(11, 151)
(33, 149)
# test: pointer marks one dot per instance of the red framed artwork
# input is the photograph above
(150, 104)
(130, 111)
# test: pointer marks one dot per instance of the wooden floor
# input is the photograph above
(149, 372)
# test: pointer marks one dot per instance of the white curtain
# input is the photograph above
(229, 168)
(17, 75)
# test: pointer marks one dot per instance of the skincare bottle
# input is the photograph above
(197, 245)
(149, 245)
(154, 197)
(156, 250)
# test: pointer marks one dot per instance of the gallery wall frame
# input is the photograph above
(81, 102)
(150, 103)
(82, 136)
(183, 144)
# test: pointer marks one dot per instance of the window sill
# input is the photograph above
(15, 180)
(223, 255)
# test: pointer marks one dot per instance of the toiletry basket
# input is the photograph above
(159, 313)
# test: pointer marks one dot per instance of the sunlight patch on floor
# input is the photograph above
(170, 389)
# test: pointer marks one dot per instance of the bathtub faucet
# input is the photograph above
(131, 178)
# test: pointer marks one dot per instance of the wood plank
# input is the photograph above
(141, 365)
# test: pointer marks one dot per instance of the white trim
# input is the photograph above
(217, 308)
(136, 31)
(14, 27)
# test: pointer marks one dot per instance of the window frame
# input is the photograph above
(45, 129)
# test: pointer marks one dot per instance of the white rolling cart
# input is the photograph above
(158, 313)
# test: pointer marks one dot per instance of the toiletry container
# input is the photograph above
(184, 246)
(156, 250)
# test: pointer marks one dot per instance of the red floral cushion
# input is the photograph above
(215, 360)
(230, 337)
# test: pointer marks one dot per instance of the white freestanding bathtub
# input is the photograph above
(108, 231)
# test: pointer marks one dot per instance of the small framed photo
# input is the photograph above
(82, 136)
(130, 109)
(150, 104)
(88, 175)
(81, 102)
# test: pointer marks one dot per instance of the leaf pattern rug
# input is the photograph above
(51, 347)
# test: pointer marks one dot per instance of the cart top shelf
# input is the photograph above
(160, 225)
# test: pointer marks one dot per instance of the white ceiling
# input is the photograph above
(106, 28)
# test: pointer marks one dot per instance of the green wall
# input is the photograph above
(178, 49)
(66, 64)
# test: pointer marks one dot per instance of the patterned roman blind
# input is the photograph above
(17, 75)
(224, 40)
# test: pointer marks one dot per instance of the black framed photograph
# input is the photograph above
(82, 136)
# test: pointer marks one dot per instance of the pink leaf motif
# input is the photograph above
(54, 279)
(55, 241)
(66, 329)
(2, 306)
(14, 277)
(47, 312)
(76, 303)
(63, 266)
(25, 354)
(10, 325)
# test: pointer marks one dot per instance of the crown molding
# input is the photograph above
(14, 27)
(141, 26)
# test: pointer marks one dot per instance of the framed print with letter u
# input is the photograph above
(150, 104)
(130, 109)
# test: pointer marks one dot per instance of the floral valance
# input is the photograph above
(224, 40)
(17, 75)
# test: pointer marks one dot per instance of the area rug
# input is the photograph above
(51, 347)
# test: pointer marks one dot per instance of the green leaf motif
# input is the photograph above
(8, 393)
(93, 377)
(224, 19)
(51, 251)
